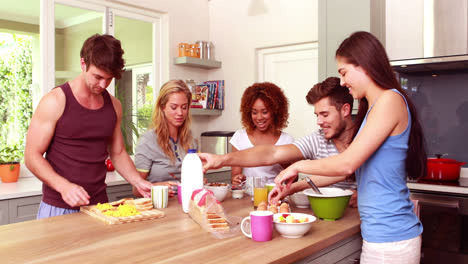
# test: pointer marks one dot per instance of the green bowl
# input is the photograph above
(331, 204)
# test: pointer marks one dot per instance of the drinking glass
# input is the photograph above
(260, 190)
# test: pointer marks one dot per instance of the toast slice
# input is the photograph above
(141, 204)
(121, 201)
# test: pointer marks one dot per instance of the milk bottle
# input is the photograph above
(192, 177)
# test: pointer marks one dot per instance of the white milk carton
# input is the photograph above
(192, 177)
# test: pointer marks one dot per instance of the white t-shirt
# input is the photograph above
(240, 140)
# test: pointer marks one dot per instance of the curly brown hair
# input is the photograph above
(273, 98)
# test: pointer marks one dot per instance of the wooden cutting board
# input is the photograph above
(144, 215)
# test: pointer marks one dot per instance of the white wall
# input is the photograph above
(188, 22)
(236, 35)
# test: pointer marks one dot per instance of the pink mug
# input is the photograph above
(260, 226)
(179, 193)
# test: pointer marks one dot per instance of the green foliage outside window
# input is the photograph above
(146, 110)
(15, 89)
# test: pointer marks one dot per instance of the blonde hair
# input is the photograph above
(159, 122)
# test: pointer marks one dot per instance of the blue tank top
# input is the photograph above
(383, 198)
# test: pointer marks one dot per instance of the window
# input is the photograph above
(19, 75)
(64, 27)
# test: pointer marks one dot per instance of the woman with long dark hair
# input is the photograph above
(388, 148)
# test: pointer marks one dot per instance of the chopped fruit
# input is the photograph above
(287, 218)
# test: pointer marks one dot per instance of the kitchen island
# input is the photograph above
(176, 238)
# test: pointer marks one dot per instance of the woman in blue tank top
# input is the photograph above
(388, 147)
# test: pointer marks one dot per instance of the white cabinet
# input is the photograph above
(336, 23)
(404, 29)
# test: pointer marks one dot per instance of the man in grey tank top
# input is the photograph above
(332, 106)
(77, 126)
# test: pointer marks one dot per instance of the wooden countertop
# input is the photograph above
(175, 238)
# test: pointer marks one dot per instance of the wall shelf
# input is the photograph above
(201, 111)
(196, 62)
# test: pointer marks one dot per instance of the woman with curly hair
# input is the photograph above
(161, 149)
(264, 109)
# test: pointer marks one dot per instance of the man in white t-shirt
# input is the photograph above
(332, 106)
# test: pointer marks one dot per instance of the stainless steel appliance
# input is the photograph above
(216, 142)
(445, 220)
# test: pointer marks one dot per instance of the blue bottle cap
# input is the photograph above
(192, 151)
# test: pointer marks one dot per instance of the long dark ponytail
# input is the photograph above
(364, 49)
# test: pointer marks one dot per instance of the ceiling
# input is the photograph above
(27, 11)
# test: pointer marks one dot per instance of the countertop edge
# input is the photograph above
(29, 185)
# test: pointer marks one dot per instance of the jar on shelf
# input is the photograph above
(183, 49)
(202, 47)
(194, 51)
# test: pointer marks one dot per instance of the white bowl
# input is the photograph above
(293, 230)
(238, 194)
(220, 192)
(300, 200)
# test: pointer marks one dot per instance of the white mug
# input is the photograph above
(159, 196)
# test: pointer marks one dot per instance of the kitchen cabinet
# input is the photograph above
(23, 209)
(403, 29)
(4, 212)
(336, 24)
(346, 251)
(19, 209)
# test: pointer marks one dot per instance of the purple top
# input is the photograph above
(78, 148)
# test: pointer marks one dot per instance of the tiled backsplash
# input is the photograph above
(442, 103)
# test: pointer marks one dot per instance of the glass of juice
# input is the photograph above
(260, 190)
(270, 186)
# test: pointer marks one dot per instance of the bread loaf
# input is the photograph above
(207, 211)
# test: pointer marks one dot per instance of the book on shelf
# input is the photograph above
(216, 92)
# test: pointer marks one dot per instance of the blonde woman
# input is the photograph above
(161, 149)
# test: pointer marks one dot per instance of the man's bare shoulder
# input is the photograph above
(117, 105)
(52, 104)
